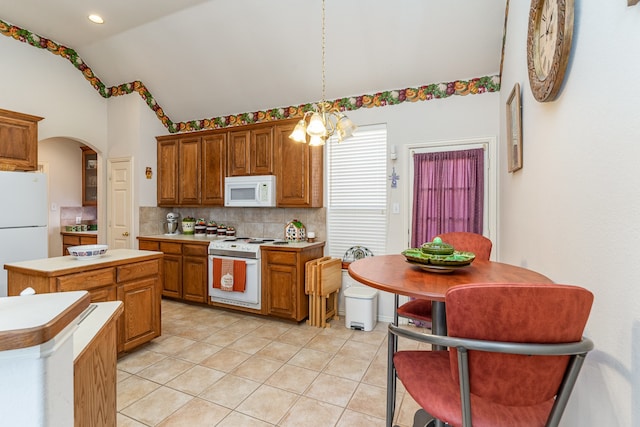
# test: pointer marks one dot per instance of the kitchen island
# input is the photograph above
(58, 360)
(131, 276)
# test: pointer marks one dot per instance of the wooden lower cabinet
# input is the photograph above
(283, 279)
(194, 273)
(138, 324)
(185, 268)
(94, 380)
(136, 281)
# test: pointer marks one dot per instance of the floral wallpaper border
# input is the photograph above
(380, 99)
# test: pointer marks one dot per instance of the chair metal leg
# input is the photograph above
(422, 419)
(439, 321)
(392, 348)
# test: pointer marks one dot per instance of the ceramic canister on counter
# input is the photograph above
(295, 231)
(188, 226)
(212, 228)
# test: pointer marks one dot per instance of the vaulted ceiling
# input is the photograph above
(211, 58)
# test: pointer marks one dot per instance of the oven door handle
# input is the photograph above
(248, 261)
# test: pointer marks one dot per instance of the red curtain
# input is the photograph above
(448, 193)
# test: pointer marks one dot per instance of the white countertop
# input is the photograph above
(89, 232)
(68, 262)
(90, 325)
(185, 237)
(193, 238)
(32, 311)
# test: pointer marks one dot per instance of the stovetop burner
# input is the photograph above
(240, 246)
(258, 240)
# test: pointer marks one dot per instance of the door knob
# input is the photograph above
(125, 234)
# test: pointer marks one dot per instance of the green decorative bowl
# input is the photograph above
(437, 248)
(455, 259)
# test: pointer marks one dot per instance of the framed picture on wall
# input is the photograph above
(514, 129)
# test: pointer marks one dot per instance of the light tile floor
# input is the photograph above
(219, 368)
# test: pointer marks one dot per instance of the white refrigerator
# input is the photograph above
(23, 219)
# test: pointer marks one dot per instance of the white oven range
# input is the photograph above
(248, 251)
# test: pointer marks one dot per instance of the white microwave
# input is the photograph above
(250, 191)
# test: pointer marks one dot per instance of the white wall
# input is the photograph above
(133, 127)
(573, 211)
(34, 81)
(453, 118)
(64, 160)
(447, 119)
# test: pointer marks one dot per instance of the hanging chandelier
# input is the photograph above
(325, 120)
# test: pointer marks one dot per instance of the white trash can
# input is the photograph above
(361, 308)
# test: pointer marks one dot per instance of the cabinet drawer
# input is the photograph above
(79, 240)
(107, 293)
(138, 270)
(71, 240)
(281, 258)
(148, 245)
(195, 250)
(87, 281)
(88, 240)
(171, 248)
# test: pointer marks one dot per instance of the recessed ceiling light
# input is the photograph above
(96, 19)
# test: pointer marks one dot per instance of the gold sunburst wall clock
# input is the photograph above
(549, 46)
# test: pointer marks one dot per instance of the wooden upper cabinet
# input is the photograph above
(18, 141)
(238, 151)
(261, 151)
(189, 170)
(192, 167)
(179, 166)
(168, 172)
(299, 171)
(250, 152)
(214, 154)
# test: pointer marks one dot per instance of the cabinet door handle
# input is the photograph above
(125, 234)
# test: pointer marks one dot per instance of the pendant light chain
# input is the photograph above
(325, 120)
(323, 55)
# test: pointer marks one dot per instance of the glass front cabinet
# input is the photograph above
(89, 177)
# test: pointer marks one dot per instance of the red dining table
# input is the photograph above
(392, 273)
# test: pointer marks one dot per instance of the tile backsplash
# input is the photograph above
(68, 215)
(249, 222)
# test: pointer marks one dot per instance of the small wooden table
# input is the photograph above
(391, 273)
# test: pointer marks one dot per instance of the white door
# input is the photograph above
(119, 216)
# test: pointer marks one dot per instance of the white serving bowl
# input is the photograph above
(85, 252)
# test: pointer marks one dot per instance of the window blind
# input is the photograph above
(357, 193)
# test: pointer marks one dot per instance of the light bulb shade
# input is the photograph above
(316, 126)
(299, 133)
(316, 141)
(345, 127)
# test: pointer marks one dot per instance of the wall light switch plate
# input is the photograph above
(78, 220)
(396, 208)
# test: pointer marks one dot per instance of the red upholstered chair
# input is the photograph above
(461, 241)
(512, 360)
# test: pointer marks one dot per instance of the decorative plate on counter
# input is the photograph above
(456, 259)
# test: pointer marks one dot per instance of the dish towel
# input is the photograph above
(229, 275)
